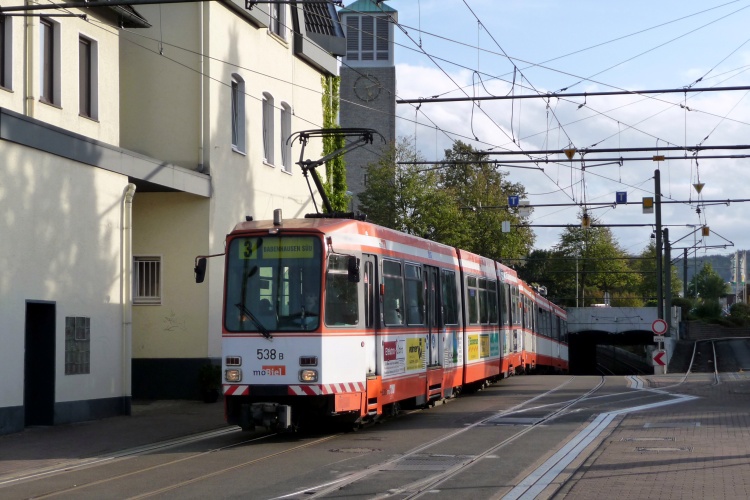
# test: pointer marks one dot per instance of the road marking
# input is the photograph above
(634, 382)
(545, 474)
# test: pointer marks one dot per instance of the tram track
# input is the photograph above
(147, 450)
(173, 478)
(418, 488)
(80, 488)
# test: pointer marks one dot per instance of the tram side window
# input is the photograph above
(492, 302)
(393, 298)
(473, 289)
(556, 327)
(450, 298)
(515, 306)
(504, 300)
(541, 318)
(342, 296)
(527, 312)
(414, 295)
(483, 302)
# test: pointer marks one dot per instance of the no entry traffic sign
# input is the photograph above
(659, 327)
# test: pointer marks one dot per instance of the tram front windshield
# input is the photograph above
(273, 284)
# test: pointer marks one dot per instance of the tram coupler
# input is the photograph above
(268, 415)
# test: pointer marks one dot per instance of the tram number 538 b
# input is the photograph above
(269, 354)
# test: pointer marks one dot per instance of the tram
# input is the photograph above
(330, 317)
(342, 319)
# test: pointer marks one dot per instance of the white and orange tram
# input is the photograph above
(342, 318)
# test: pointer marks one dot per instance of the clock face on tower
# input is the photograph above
(367, 87)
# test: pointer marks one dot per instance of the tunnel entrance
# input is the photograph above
(598, 352)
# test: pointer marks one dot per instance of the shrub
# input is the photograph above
(739, 314)
(708, 309)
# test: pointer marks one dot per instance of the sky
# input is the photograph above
(467, 48)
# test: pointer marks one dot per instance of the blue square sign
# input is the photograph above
(622, 197)
(513, 201)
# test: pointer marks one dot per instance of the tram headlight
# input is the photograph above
(308, 375)
(234, 375)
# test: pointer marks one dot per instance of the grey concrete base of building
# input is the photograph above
(13, 419)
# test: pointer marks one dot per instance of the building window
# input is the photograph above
(238, 113)
(87, 76)
(268, 142)
(49, 70)
(77, 345)
(278, 20)
(286, 131)
(147, 280)
(367, 38)
(6, 52)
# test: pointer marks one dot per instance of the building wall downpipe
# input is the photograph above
(127, 291)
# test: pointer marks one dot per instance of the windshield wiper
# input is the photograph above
(255, 321)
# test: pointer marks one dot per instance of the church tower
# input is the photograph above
(368, 83)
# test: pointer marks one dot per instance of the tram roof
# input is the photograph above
(330, 226)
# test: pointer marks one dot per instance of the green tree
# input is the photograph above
(708, 284)
(335, 181)
(482, 191)
(646, 267)
(410, 199)
(544, 267)
(595, 265)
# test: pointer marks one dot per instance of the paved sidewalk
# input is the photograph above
(695, 450)
(37, 449)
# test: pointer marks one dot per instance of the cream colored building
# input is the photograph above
(119, 163)
(199, 65)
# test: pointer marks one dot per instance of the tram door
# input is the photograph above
(432, 304)
(370, 284)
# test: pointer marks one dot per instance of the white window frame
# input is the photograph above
(286, 131)
(268, 129)
(6, 52)
(277, 22)
(52, 59)
(237, 91)
(93, 77)
(146, 270)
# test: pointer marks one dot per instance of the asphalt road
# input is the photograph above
(520, 438)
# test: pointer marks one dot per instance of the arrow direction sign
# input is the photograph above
(658, 357)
